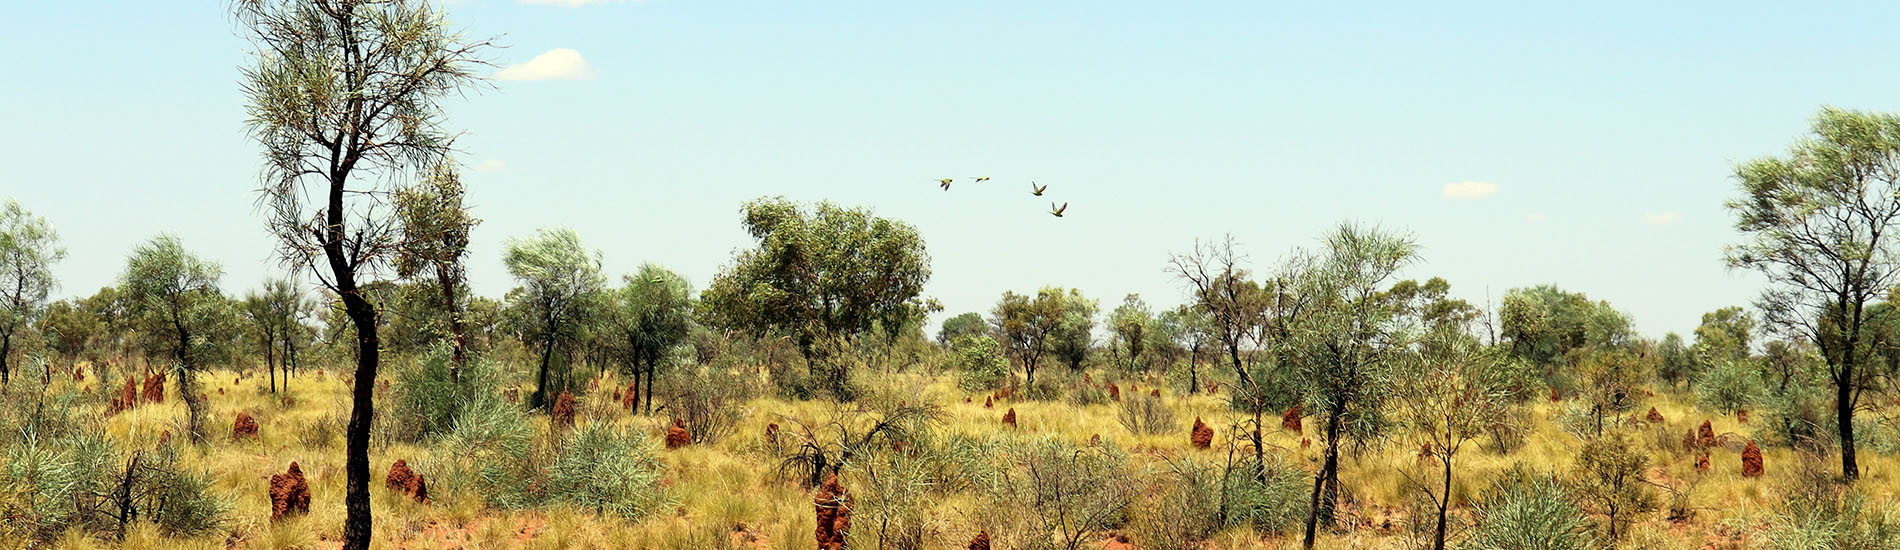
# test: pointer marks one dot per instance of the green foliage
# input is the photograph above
(1129, 325)
(819, 272)
(1675, 365)
(1053, 323)
(650, 316)
(1195, 498)
(1527, 510)
(607, 469)
(560, 292)
(28, 249)
(979, 363)
(1544, 324)
(963, 325)
(1729, 385)
(426, 399)
(174, 296)
(710, 400)
(600, 467)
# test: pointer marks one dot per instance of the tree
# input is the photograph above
(1451, 393)
(435, 240)
(1074, 333)
(1046, 324)
(963, 325)
(69, 327)
(560, 287)
(819, 273)
(1348, 346)
(1130, 323)
(273, 313)
(1817, 225)
(1676, 364)
(338, 89)
(1724, 335)
(28, 249)
(650, 316)
(175, 294)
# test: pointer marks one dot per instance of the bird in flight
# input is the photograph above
(982, 179)
(1058, 211)
(1037, 189)
(944, 183)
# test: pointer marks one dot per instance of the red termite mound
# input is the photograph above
(981, 542)
(1702, 462)
(244, 427)
(564, 410)
(1654, 417)
(289, 494)
(154, 389)
(403, 480)
(631, 396)
(1291, 420)
(1009, 418)
(1751, 460)
(1203, 436)
(677, 436)
(771, 434)
(1114, 392)
(127, 399)
(834, 514)
(1705, 435)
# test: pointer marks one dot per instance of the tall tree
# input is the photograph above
(345, 97)
(966, 324)
(1044, 325)
(1817, 224)
(560, 290)
(273, 313)
(435, 226)
(1075, 333)
(819, 273)
(1452, 392)
(28, 249)
(175, 294)
(1348, 346)
(650, 316)
(1130, 323)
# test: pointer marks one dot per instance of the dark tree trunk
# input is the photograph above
(649, 387)
(6, 351)
(540, 396)
(188, 384)
(1326, 481)
(457, 327)
(1844, 414)
(357, 526)
(1444, 501)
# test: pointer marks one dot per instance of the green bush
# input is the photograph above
(1818, 512)
(426, 398)
(979, 363)
(607, 469)
(80, 481)
(1144, 414)
(1729, 386)
(1198, 497)
(711, 401)
(1048, 493)
(1527, 510)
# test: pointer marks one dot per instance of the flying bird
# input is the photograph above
(1037, 189)
(982, 179)
(1058, 211)
(944, 183)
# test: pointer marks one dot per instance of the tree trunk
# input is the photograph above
(1326, 480)
(6, 350)
(541, 380)
(1444, 501)
(1844, 414)
(357, 526)
(188, 385)
(457, 328)
(649, 387)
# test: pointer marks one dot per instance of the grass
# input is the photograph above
(730, 496)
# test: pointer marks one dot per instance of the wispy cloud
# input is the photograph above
(1536, 217)
(556, 64)
(1470, 190)
(574, 3)
(1661, 218)
(490, 165)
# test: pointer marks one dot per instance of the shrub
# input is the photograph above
(890, 501)
(1527, 510)
(1047, 486)
(607, 469)
(1199, 497)
(1144, 414)
(1728, 386)
(709, 400)
(979, 363)
(80, 482)
(1819, 512)
(425, 398)
(1609, 479)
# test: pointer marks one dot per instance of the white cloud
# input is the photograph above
(556, 64)
(1536, 217)
(490, 165)
(573, 3)
(1470, 190)
(1661, 218)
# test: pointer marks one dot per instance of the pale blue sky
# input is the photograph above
(1159, 122)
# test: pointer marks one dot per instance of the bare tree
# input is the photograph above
(345, 97)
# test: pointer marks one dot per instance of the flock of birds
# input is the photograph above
(1034, 189)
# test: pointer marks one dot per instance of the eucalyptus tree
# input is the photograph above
(28, 249)
(560, 291)
(1130, 324)
(963, 325)
(174, 295)
(647, 319)
(1074, 334)
(69, 327)
(436, 226)
(345, 98)
(1449, 393)
(1347, 347)
(1818, 223)
(1044, 325)
(820, 275)
(273, 312)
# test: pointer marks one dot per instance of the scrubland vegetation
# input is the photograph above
(1330, 397)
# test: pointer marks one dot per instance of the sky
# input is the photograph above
(1587, 147)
